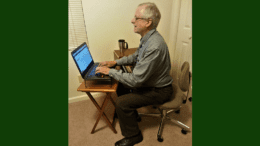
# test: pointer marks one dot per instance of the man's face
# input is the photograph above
(140, 24)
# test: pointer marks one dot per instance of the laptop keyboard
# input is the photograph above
(92, 73)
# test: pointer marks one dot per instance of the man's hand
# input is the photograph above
(108, 63)
(103, 70)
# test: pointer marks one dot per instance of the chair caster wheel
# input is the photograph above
(184, 101)
(177, 112)
(190, 99)
(160, 139)
(183, 131)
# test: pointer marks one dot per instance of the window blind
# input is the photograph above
(77, 29)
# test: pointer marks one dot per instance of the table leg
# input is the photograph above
(100, 114)
(113, 102)
(101, 111)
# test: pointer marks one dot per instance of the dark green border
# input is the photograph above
(225, 73)
(210, 55)
(34, 106)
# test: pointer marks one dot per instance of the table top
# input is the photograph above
(92, 87)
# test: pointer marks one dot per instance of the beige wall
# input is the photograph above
(173, 35)
(110, 20)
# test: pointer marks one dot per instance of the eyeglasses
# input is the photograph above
(136, 18)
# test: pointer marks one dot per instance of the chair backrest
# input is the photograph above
(184, 77)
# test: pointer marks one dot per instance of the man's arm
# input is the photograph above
(126, 60)
(142, 71)
(107, 63)
(104, 69)
(122, 61)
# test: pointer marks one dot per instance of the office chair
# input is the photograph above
(190, 99)
(174, 105)
(190, 78)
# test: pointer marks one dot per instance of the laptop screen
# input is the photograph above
(82, 57)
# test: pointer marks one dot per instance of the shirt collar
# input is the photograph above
(146, 37)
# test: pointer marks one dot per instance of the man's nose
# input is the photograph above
(133, 20)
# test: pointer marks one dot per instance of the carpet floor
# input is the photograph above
(83, 115)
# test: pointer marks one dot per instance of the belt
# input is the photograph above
(151, 88)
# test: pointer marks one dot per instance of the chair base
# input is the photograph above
(164, 116)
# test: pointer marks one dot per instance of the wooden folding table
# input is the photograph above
(108, 89)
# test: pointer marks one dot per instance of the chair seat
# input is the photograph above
(176, 99)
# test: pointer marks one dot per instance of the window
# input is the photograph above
(77, 29)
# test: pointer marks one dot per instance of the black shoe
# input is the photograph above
(130, 141)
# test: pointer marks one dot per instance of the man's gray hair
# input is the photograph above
(151, 11)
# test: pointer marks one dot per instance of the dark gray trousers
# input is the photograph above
(127, 103)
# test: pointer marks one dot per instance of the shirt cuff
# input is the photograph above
(112, 73)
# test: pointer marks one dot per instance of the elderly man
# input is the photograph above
(150, 82)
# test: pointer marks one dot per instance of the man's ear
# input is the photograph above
(149, 23)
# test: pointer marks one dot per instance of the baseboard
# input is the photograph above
(83, 97)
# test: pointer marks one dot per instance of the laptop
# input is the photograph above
(86, 65)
